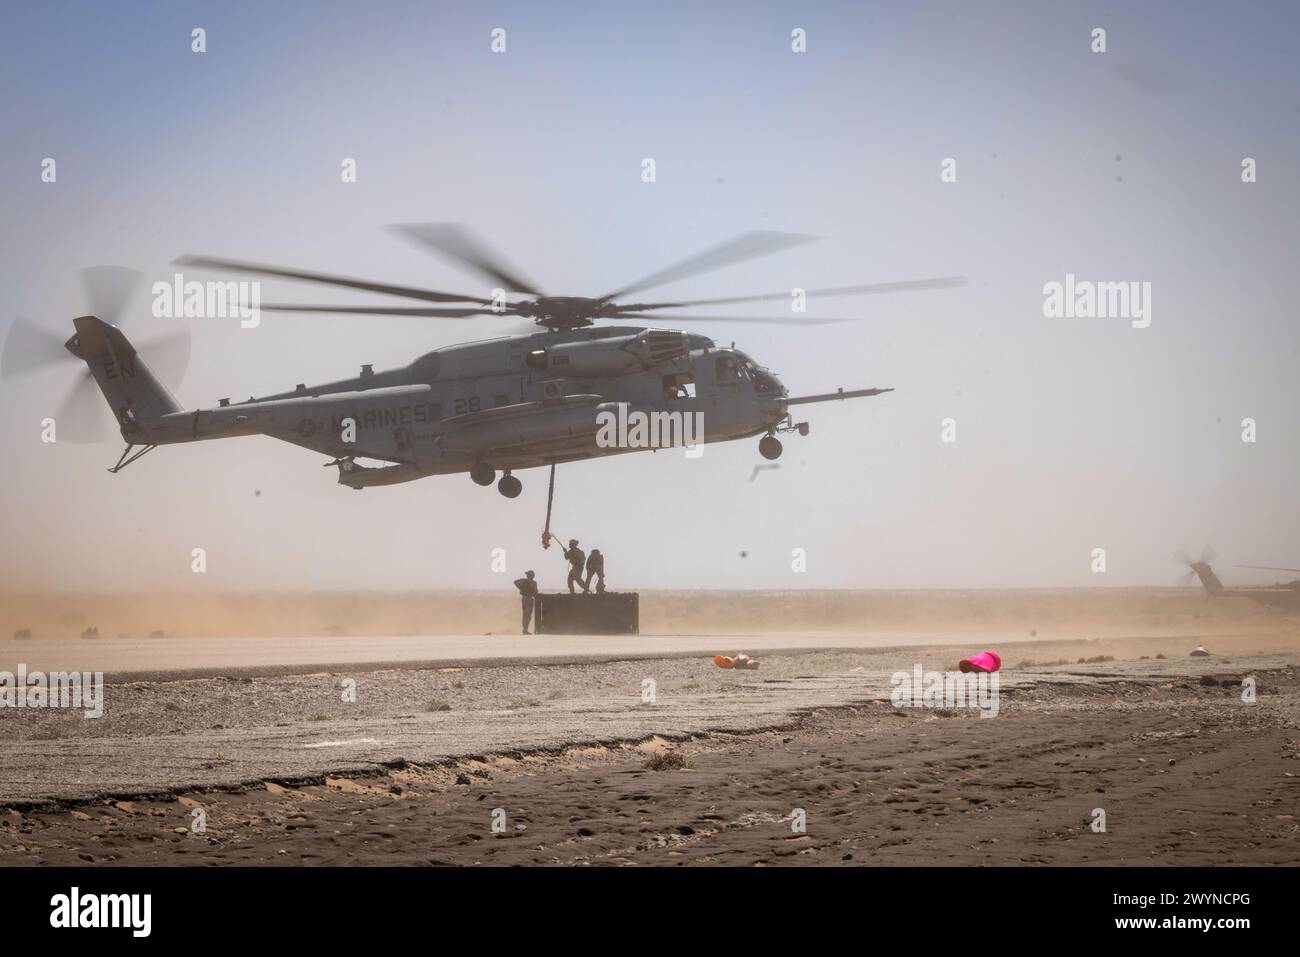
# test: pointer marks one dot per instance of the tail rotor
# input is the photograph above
(1198, 569)
(30, 348)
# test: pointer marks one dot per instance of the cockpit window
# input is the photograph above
(763, 381)
(728, 369)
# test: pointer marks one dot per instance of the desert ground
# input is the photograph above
(1061, 613)
(369, 742)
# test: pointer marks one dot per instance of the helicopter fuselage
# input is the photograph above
(504, 404)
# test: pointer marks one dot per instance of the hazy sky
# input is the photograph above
(1071, 433)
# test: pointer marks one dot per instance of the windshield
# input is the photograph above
(728, 368)
(764, 382)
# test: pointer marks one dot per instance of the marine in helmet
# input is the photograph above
(576, 558)
(527, 596)
(596, 567)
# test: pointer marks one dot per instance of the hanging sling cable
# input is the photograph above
(550, 499)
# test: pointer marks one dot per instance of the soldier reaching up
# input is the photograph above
(576, 558)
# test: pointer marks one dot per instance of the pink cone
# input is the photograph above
(984, 661)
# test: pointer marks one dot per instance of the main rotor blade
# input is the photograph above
(793, 320)
(445, 313)
(108, 289)
(745, 246)
(81, 416)
(28, 347)
(458, 243)
(261, 269)
(941, 282)
(1270, 568)
(168, 355)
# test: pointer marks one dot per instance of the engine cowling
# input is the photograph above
(618, 355)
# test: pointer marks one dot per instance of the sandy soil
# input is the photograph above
(1047, 613)
(1186, 772)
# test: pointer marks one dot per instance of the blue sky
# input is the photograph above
(1072, 434)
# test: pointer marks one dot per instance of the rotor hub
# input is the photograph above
(565, 312)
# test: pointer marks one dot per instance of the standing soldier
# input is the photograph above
(527, 595)
(576, 558)
(595, 566)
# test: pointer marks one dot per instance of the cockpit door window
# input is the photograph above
(679, 386)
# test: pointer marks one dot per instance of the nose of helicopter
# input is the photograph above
(768, 385)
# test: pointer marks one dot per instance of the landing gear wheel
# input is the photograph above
(770, 447)
(509, 486)
(482, 474)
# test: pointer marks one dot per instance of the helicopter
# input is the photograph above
(493, 407)
(1283, 595)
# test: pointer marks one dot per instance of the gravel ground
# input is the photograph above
(1184, 769)
(164, 737)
